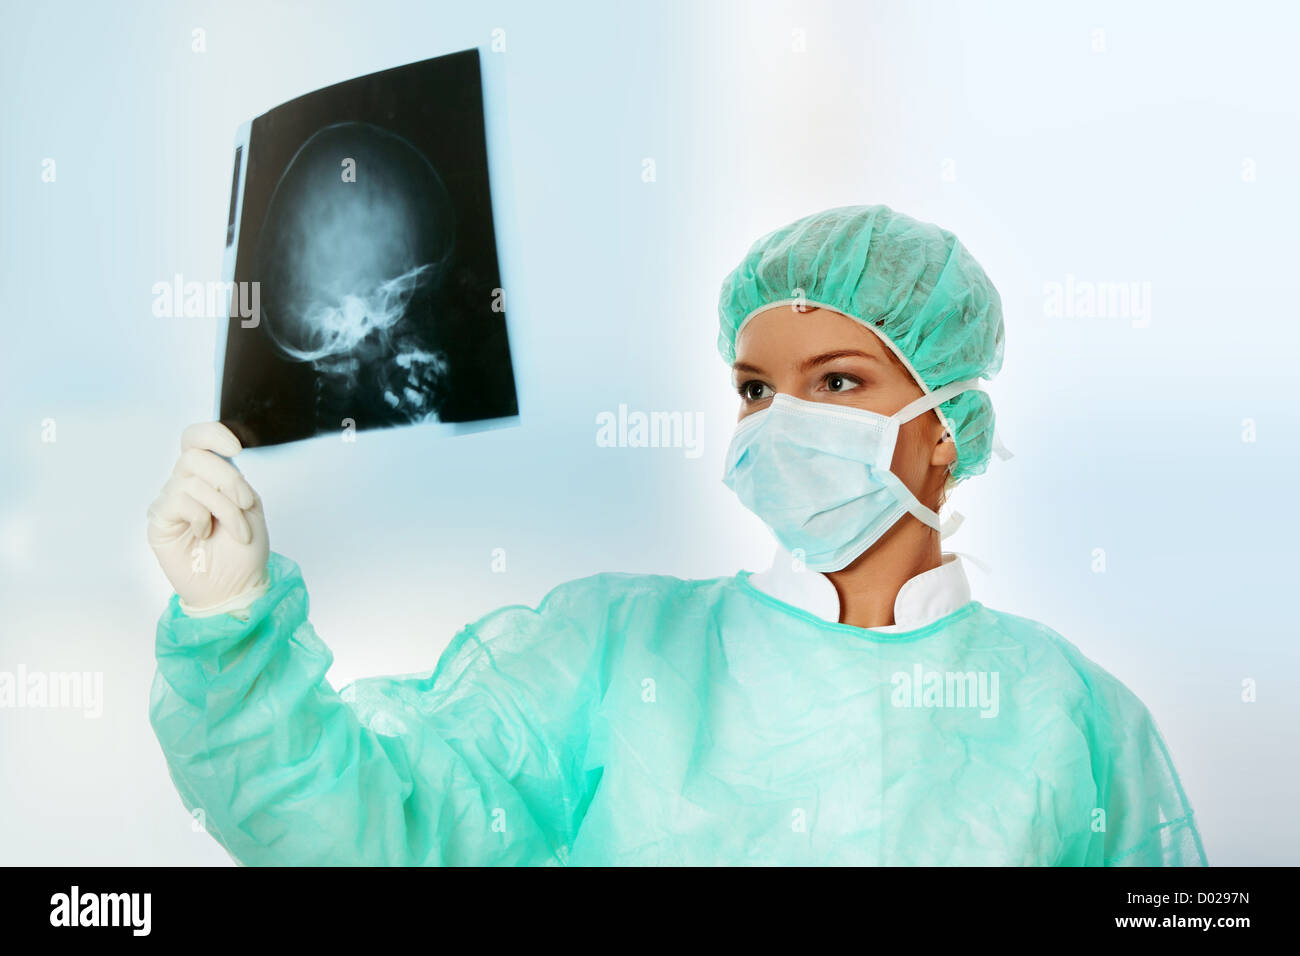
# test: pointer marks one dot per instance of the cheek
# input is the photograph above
(911, 455)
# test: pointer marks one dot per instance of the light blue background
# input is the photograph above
(997, 120)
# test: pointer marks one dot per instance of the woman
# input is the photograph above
(851, 705)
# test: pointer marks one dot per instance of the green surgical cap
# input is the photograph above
(910, 282)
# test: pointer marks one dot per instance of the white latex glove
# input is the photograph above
(207, 529)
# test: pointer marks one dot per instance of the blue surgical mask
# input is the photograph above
(818, 474)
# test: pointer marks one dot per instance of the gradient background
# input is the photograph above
(1000, 121)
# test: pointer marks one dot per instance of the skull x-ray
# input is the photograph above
(366, 290)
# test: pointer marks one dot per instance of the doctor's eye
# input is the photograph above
(754, 391)
(839, 382)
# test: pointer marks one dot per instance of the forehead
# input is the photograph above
(782, 331)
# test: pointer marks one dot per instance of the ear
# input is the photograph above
(945, 449)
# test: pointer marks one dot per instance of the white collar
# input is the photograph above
(921, 600)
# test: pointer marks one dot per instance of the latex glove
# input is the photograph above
(207, 529)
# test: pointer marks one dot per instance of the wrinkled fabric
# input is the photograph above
(911, 282)
(637, 719)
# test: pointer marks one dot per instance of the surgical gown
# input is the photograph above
(641, 719)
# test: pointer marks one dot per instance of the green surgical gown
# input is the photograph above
(643, 719)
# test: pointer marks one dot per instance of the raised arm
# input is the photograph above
(481, 762)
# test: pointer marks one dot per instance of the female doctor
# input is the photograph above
(851, 705)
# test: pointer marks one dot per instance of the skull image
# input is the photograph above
(358, 233)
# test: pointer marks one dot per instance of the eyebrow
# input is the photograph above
(811, 363)
(832, 356)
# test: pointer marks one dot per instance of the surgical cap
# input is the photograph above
(913, 284)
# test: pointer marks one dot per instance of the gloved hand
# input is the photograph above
(207, 529)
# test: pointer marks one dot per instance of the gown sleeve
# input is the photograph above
(1148, 818)
(479, 763)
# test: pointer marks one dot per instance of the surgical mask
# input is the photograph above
(818, 474)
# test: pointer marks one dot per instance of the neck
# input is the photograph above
(869, 586)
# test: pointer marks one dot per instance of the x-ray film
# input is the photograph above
(360, 244)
